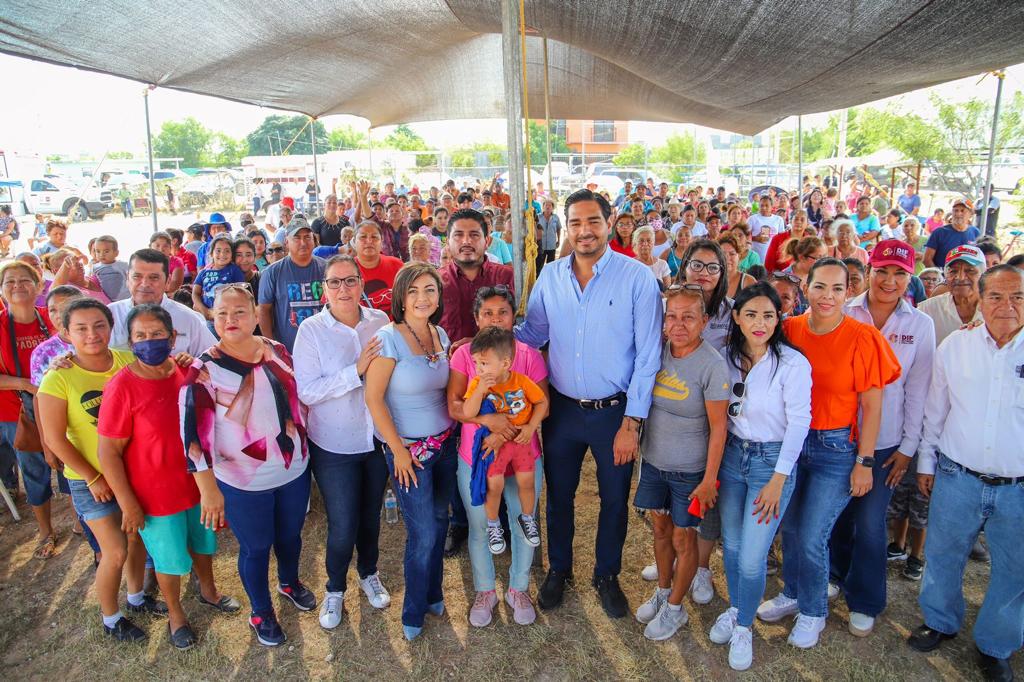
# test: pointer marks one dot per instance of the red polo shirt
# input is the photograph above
(459, 294)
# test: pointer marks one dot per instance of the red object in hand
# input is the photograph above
(695, 503)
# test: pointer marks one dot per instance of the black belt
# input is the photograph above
(600, 404)
(989, 479)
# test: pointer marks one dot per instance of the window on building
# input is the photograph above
(604, 131)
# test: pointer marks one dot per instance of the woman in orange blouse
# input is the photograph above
(850, 364)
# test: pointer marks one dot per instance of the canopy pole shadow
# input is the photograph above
(987, 189)
(512, 77)
(149, 150)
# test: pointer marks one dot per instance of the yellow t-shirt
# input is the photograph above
(83, 391)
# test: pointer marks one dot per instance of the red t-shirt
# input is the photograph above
(27, 336)
(774, 258)
(624, 250)
(189, 260)
(377, 282)
(146, 412)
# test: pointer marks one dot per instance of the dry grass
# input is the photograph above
(50, 628)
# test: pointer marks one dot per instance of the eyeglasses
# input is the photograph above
(337, 282)
(786, 276)
(701, 266)
(275, 249)
(739, 392)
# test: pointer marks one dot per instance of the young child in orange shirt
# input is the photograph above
(523, 402)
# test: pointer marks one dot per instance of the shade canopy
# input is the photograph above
(739, 65)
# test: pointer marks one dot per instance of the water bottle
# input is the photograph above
(390, 506)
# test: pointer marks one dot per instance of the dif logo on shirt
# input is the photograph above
(305, 299)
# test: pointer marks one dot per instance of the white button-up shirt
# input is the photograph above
(943, 312)
(193, 336)
(777, 406)
(911, 335)
(975, 409)
(324, 356)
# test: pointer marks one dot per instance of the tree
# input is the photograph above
(630, 155)
(280, 134)
(679, 149)
(538, 143)
(346, 137)
(188, 140)
(120, 155)
(226, 151)
(406, 139)
(466, 156)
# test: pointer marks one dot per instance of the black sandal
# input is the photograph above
(183, 638)
(225, 604)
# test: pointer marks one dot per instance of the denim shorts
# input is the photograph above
(86, 506)
(669, 491)
(168, 540)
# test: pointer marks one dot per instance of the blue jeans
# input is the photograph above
(263, 519)
(480, 558)
(746, 468)
(821, 493)
(962, 506)
(859, 539)
(35, 472)
(425, 511)
(353, 488)
(568, 433)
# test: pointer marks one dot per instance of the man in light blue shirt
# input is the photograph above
(601, 313)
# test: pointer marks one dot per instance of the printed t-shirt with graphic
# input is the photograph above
(849, 360)
(83, 391)
(146, 412)
(378, 281)
(677, 429)
(27, 337)
(210, 280)
(514, 397)
(295, 292)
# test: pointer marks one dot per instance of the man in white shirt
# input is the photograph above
(764, 225)
(972, 465)
(959, 305)
(147, 280)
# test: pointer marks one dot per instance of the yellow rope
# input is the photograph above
(530, 236)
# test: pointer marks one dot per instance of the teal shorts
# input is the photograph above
(168, 540)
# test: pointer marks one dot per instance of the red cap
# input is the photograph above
(289, 202)
(893, 252)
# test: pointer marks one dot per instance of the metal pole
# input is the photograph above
(983, 228)
(547, 121)
(270, 143)
(316, 171)
(149, 149)
(369, 141)
(512, 72)
(800, 157)
(583, 149)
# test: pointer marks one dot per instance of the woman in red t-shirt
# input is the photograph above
(622, 239)
(850, 365)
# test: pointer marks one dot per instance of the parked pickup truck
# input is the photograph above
(53, 194)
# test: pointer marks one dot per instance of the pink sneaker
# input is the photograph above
(522, 608)
(483, 605)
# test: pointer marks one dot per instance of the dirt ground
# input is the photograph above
(50, 627)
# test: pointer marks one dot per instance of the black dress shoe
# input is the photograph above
(995, 669)
(455, 539)
(612, 600)
(925, 639)
(553, 589)
(183, 638)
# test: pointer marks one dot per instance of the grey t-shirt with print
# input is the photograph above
(676, 432)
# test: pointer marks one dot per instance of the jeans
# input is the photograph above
(36, 474)
(859, 540)
(746, 468)
(262, 519)
(127, 208)
(425, 511)
(480, 558)
(568, 432)
(353, 489)
(962, 506)
(458, 516)
(821, 493)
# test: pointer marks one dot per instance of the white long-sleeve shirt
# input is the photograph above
(324, 357)
(777, 406)
(911, 335)
(193, 335)
(975, 409)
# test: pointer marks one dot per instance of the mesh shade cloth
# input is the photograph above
(738, 65)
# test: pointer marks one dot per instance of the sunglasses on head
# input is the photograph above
(786, 276)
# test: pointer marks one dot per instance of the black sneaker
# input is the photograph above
(183, 638)
(268, 630)
(914, 569)
(895, 553)
(454, 540)
(149, 605)
(125, 631)
(530, 529)
(303, 599)
(613, 601)
(553, 589)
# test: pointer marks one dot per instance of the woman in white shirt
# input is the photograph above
(769, 416)
(643, 246)
(332, 351)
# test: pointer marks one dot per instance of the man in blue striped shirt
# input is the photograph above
(601, 313)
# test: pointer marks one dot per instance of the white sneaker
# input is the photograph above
(650, 572)
(701, 589)
(777, 608)
(804, 634)
(721, 631)
(375, 591)
(741, 648)
(649, 609)
(833, 591)
(667, 623)
(331, 610)
(861, 625)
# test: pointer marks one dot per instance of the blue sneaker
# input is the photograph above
(303, 599)
(268, 630)
(411, 632)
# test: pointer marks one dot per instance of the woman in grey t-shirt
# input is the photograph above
(681, 450)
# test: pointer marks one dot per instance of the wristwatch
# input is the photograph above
(868, 462)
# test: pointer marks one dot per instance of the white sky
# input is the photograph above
(51, 109)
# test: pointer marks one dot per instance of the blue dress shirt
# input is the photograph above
(604, 339)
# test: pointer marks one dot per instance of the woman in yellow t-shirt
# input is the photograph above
(69, 405)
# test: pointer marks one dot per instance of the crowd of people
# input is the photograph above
(819, 373)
